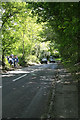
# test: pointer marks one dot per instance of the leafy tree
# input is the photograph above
(9, 35)
(20, 32)
(64, 20)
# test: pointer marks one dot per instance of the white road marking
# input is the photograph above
(22, 76)
(19, 77)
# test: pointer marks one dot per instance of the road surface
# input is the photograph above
(25, 91)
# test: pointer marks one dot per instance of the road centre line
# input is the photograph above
(22, 76)
(19, 77)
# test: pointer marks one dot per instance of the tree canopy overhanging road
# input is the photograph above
(41, 29)
(32, 31)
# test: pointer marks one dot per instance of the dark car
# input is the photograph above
(44, 60)
(51, 60)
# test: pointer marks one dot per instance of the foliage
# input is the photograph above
(64, 19)
(32, 59)
(10, 35)
(21, 35)
(57, 24)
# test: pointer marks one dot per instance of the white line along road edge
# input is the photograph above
(19, 77)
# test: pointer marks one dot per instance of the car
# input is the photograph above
(51, 60)
(44, 60)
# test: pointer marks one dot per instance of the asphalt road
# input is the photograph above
(25, 91)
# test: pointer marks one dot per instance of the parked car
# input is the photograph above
(44, 60)
(51, 60)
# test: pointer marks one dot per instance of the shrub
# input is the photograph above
(32, 58)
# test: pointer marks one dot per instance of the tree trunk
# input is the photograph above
(3, 60)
